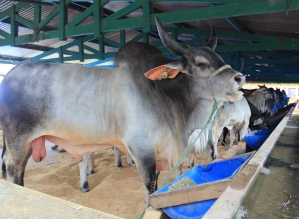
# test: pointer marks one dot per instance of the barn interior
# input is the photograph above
(263, 34)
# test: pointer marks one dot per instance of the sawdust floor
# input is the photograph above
(118, 191)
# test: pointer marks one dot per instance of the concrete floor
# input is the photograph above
(276, 195)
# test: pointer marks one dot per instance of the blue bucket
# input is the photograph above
(256, 141)
(264, 132)
(203, 174)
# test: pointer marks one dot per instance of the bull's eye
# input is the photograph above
(201, 64)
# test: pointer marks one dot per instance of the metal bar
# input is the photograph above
(48, 18)
(137, 38)
(80, 30)
(4, 34)
(111, 43)
(81, 17)
(124, 11)
(24, 22)
(90, 49)
(45, 54)
(35, 47)
(128, 23)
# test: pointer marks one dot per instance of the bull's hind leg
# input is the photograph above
(86, 168)
(16, 158)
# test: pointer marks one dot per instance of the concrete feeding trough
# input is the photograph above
(194, 192)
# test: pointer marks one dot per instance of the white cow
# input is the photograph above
(234, 116)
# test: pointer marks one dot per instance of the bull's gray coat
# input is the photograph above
(84, 109)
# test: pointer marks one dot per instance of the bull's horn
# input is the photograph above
(213, 41)
(241, 65)
(170, 43)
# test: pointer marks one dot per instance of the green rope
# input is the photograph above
(223, 143)
(215, 107)
(212, 116)
(209, 137)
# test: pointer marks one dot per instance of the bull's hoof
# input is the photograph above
(119, 165)
(132, 163)
(85, 187)
(61, 150)
(54, 147)
(91, 172)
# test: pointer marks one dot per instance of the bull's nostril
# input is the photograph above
(239, 78)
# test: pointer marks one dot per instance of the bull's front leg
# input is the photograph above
(86, 168)
(146, 165)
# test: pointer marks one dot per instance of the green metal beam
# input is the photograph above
(229, 10)
(138, 22)
(205, 1)
(124, 11)
(48, 18)
(81, 17)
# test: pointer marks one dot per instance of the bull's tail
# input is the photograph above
(3, 151)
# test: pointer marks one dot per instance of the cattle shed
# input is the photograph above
(261, 35)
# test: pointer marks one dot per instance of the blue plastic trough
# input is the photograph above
(256, 141)
(203, 174)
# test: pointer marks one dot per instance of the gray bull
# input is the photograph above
(85, 109)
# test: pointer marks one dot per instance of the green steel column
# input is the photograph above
(13, 26)
(63, 17)
(101, 47)
(37, 19)
(145, 37)
(146, 16)
(60, 54)
(81, 50)
(97, 16)
(122, 39)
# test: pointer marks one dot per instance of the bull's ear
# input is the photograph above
(161, 72)
(253, 93)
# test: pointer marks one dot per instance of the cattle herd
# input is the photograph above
(149, 106)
